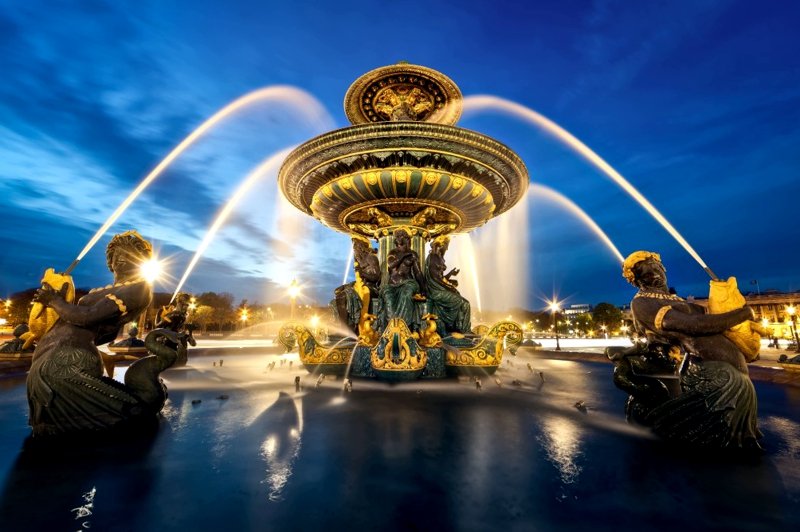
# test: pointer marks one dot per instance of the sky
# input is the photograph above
(696, 103)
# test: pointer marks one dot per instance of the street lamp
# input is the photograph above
(765, 326)
(554, 308)
(791, 310)
(294, 291)
(243, 317)
(604, 329)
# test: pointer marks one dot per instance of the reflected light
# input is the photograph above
(562, 445)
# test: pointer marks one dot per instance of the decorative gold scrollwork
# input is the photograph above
(397, 349)
(489, 351)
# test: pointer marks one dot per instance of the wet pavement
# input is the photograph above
(238, 448)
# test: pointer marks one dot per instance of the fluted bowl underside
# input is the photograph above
(403, 168)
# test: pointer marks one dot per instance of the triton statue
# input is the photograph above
(66, 389)
(706, 401)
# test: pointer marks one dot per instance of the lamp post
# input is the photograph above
(243, 316)
(765, 326)
(294, 291)
(554, 308)
(791, 311)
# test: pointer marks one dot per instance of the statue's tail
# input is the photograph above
(142, 378)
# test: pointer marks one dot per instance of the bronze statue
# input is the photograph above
(349, 303)
(173, 317)
(401, 293)
(17, 345)
(452, 309)
(715, 404)
(66, 389)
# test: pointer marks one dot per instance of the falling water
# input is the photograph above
(269, 164)
(464, 251)
(500, 251)
(297, 97)
(557, 197)
(482, 102)
(347, 266)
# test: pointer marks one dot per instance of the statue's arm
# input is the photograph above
(659, 316)
(700, 324)
(79, 315)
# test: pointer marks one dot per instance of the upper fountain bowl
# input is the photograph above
(403, 163)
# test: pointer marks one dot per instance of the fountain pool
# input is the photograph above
(255, 454)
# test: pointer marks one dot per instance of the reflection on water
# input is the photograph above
(282, 441)
(787, 457)
(562, 438)
(86, 509)
(517, 457)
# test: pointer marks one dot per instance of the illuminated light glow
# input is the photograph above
(268, 165)
(300, 98)
(294, 289)
(314, 320)
(485, 102)
(560, 199)
(151, 270)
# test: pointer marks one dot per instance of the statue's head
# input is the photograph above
(644, 269)
(401, 237)
(127, 250)
(441, 242)
(182, 300)
(361, 244)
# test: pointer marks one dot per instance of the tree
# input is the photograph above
(608, 315)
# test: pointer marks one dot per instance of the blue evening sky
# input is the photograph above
(696, 103)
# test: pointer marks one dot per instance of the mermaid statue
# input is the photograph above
(689, 381)
(66, 390)
(452, 310)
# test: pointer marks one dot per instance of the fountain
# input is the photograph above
(403, 175)
(246, 448)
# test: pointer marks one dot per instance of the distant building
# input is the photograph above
(771, 306)
(576, 310)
